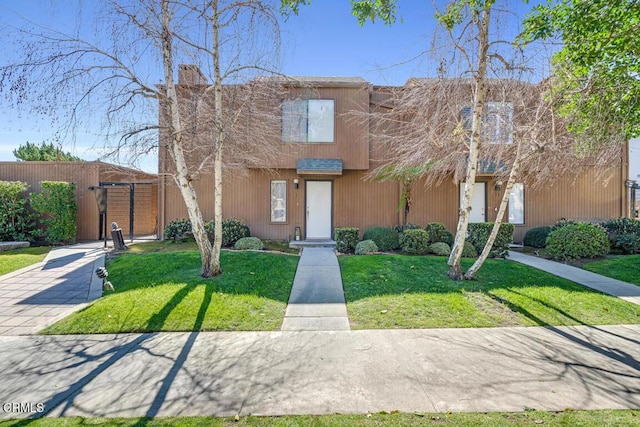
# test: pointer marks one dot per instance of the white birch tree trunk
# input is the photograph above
(218, 139)
(182, 177)
(499, 217)
(455, 269)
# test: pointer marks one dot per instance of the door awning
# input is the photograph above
(310, 166)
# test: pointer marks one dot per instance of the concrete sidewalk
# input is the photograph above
(41, 294)
(278, 373)
(626, 291)
(317, 300)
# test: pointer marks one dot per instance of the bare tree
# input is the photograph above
(489, 120)
(114, 72)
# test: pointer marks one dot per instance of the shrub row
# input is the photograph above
(55, 206)
(232, 230)
(622, 234)
(433, 239)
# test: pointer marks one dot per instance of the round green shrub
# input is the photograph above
(628, 243)
(249, 243)
(177, 228)
(478, 235)
(469, 251)
(366, 247)
(537, 237)
(624, 234)
(414, 241)
(385, 238)
(346, 239)
(232, 231)
(448, 238)
(438, 233)
(580, 240)
(440, 249)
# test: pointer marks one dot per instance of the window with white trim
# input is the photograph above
(308, 120)
(279, 201)
(516, 204)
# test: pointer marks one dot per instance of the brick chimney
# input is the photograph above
(190, 74)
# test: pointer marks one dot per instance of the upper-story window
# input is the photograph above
(308, 120)
(497, 122)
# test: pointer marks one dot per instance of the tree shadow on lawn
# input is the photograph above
(164, 291)
(94, 363)
(513, 286)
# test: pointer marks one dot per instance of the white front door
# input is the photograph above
(478, 201)
(319, 208)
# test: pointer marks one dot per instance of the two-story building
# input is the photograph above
(321, 181)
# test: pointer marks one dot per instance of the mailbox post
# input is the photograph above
(116, 236)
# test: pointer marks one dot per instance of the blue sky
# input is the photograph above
(323, 40)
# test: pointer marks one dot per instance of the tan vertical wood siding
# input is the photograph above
(358, 202)
(589, 197)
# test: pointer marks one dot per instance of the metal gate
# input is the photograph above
(134, 207)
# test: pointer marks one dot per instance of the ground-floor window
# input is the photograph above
(278, 201)
(516, 204)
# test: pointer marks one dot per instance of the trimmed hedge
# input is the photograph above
(249, 243)
(537, 237)
(440, 249)
(346, 239)
(438, 233)
(366, 247)
(415, 241)
(479, 233)
(387, 239)
(58, 207)
(178, 228)
(581, 240)
(232, 230)
(17, 223)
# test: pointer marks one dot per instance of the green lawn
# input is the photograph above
(396, 291)
(19, 258)
(624, 267)
(163, 291)
(530, 418)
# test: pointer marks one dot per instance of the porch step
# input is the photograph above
(312, 244)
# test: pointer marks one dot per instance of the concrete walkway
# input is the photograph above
(317, 299)
(626, 291)
(278, 373)
(41, 294)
